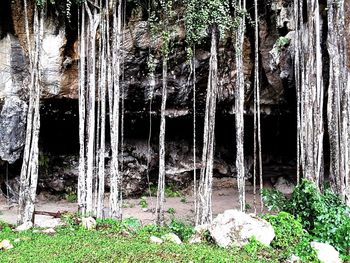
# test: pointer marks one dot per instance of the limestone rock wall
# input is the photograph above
(60, 80)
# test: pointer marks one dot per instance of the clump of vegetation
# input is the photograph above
(171, 211)
(183, 230)
(169, 191)
(290, 237)
(282, 42)
(143, 202)
(71, 197)
(322, 214)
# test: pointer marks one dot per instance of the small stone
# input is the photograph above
(294, 259)
(17, 240)
(49, 231)
(145, 209)
(88, 223)
(6, 244)
(171, 237)
(156, 240)
(325, 252)
(25, 226)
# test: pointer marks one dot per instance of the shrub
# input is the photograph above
(290, 237)
(183, 230)
(288, 230)
(323, 215)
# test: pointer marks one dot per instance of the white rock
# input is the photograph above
(171, 237)
(199, 234)
(6, 244)
(284, 186)
(49, 231)
(88, 223)
(294, 259)
(17, 240)
(47, 222)
(235, 228)
(326, 253)
(156, 240)
(25, 226)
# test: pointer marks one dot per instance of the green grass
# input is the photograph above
(109, 244)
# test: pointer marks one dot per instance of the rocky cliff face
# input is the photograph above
(59, 93)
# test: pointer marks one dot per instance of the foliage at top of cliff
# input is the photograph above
(202, 14)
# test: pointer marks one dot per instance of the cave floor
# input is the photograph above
(225, 196)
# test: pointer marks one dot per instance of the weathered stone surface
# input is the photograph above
(12, 128)
(88, 222)
(326, 253)
(6, 244)
(234, 228)
(199, 234)
(24, 227)
(156, 240)
(172, 238)
(284, 186)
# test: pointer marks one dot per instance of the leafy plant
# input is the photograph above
(282, 42)
(323, 215)
(183, 230)
(288, 231)
(290, 237)
(171, 211)
(171, 192)
(143, 202)
(254, 246)
(273, 199)
(71, 197)
(183, 200)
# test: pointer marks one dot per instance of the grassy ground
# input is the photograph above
(112, 242)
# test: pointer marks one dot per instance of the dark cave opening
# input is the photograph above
(6, 24)
(59, 133)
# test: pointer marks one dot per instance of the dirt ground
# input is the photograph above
(225, 196)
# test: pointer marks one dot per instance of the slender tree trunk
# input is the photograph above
(82, 113)
(195, 184)
(204, 203)
(338, 101)
(161, 176)
(239, 106)
(115, 197)
(309, 86)
(257, 123)
(102, 145)
(29, 171)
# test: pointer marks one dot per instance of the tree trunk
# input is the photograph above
(239, 106)
(161, 176)
(338, 101)
(204, 204)
(29, 171)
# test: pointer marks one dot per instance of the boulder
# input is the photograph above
(47, 221)
(12, 128)
(325, 252)
(235, 228)
(199, 234)
(88, 223)
(172, 238)
(156, 240)
(284, 186)
(5, 244)
(25, 226)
